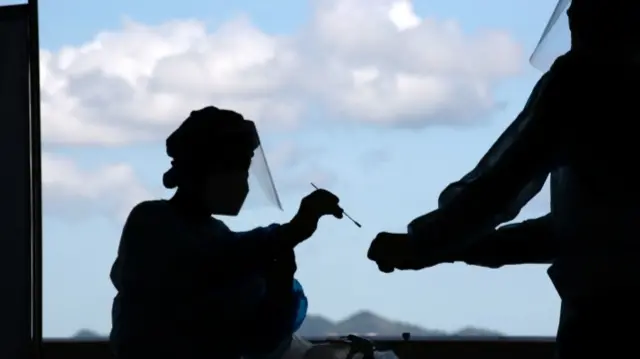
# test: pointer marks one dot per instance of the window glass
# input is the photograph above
(383, 102)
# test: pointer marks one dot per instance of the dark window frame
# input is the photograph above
(436, 348)
(22, 331)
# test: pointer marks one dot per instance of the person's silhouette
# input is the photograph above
(188, 286)
(577, 127)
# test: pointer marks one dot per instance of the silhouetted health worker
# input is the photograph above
(578, 126)
(188, 286)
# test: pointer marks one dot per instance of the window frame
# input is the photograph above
(23, 257)
(434, 347)
(21, 219)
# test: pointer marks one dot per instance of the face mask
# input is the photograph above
(223, 142)
(225, 194)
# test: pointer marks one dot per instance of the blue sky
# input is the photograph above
(386, 154)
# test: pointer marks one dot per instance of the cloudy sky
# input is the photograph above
(383, 102)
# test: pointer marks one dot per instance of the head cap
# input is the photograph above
(210, 140)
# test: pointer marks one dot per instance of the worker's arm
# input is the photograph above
(223, 252)
(528, 242)
(534, 153)
(531, 153)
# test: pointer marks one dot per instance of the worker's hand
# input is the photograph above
(313, 207)
(393, 251)
(320, 203)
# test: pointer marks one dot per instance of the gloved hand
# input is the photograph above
(393, 251)
(431, 243)
(313, 207)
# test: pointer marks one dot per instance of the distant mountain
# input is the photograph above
(87, 334)
(362, 323)
(368, 323)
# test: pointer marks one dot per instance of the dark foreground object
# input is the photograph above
(428, 348)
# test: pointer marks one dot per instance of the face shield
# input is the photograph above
(222, 141)
(262, 189)
(555, 40)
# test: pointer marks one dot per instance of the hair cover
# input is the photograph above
(210, 140)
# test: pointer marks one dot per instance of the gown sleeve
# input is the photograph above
(511, 173)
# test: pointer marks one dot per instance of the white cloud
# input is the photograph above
(111, 190)
(373, 61)
(294, 167)
(72, 192)
(361, 60)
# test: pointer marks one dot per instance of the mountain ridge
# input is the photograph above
(363, 322)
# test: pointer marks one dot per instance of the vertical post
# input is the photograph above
(16, 211)
(36, 179)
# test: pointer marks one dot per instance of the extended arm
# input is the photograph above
(507, 177)
(528, 242)
(152, 232)
(250, 252)
(531, 155)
